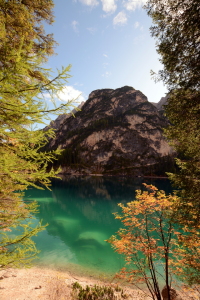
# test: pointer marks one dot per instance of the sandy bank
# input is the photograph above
(43, 283)
(47, 284)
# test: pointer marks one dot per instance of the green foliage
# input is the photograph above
(185, 138)
(24, 86)
(16, 248)
(97, 292)
(176, 29)
(177, 33)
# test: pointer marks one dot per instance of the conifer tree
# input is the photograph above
(177, 32)
(24, 86)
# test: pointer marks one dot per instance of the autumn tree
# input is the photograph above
(177, 33)
(155, 249)
(24, 86)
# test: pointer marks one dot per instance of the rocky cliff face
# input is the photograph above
(116, 132)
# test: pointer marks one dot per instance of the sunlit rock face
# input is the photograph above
(116, 132)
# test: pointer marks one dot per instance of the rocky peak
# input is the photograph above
(160, 105)
(58, 122)
(98, 93)
(113, 102)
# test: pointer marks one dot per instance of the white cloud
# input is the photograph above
(89, 2)
(120, 18)
(75, 25)
(137, 24)
(109, 6)
(69, 93)
(92, 30)
(134, 4)
(106, 74)
(105, 55)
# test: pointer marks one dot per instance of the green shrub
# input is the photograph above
(96, 292)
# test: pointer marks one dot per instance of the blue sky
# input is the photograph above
(108, 44)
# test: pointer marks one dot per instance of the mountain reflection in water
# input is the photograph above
(79, 212)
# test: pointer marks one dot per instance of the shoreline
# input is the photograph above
(42, 283)
(48, 284)
(111, 175)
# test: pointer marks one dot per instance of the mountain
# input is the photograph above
(62, 118)
(116, 132)
(160, 105)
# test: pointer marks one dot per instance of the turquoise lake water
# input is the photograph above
(78, 211)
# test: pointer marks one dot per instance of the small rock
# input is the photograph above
(39, 287)
(173, 294)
